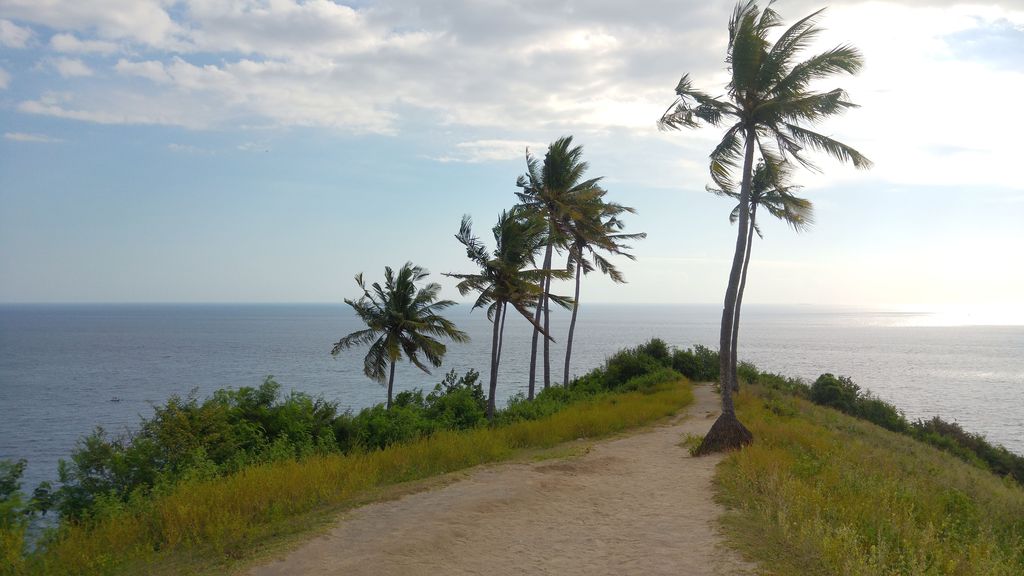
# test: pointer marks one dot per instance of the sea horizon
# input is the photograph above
(59, 370)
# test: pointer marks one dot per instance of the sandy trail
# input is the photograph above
(632, 505)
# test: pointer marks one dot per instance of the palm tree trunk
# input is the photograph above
(493, 385)
(547, 332)
(501, 336)
(727, 432)
(572, 323)
(391, 383)
(739, 301)
(536, 322)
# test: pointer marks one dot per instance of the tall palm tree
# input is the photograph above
(598, 230)
(555, 191)
(770, 106)
(400, 319)
(770, 189)
(503, 279)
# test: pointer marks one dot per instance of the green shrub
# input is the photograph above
(699, 363)
(747, 372)
(656, 348)
(458, 403)
(835, 392)
(627, 364)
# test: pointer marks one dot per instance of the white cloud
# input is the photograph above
(70, 67)
(490, 150)
(501, 68)
(14, 36)
(139, 21)
(71, 43)
(27, 137)
(5, 79)
(150, 69)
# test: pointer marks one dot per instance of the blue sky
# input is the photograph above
(266, 151)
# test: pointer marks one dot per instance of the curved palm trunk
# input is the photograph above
(739, 301)
(493, 385)
(391, 383)
(572, 323)
(547, 332)
(536, 322)
(501, 336)
(727, 432)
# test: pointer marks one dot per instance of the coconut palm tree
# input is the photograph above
(400, 320)
(769, 189)
(555, 191)
(598, 230)
(503, 279)
(769, 106)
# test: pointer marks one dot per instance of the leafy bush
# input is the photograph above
(458, 403)
(699, 363)
(13, 515)
(656, 348)
(186, 438)
(627, 364)
(835, 392)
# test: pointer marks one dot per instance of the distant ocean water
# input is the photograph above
(62, 365)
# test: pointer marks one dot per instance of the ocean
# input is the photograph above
(66, 369)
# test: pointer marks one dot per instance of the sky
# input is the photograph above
(268, 150)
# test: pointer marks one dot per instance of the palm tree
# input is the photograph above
(598, 230)
(400, 319)
(555, 192)
(770, 106)
(503, 279)
(769, 189)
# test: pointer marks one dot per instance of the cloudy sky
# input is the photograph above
(267, 150)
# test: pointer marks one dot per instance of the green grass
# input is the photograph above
(201, 526)
(822, 493)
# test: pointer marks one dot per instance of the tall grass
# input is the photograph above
(205, 521)
(823, 493)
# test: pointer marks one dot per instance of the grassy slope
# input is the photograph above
(207, 525)
(823, 493)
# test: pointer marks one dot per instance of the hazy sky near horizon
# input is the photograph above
(268, 150)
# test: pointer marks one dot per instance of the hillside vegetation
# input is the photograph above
(199, 514)
(821, 492)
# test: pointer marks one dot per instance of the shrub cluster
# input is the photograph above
(189, 439)
(638, 368)
(699, 363)
(232, 429)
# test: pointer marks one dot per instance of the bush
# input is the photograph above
(458, 403)
(627, 364)
(185, 438)
(656, 348)
(835, 392)
(699, 363)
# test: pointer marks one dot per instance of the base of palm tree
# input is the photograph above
(727, 433)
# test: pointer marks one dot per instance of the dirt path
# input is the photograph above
(634, 505)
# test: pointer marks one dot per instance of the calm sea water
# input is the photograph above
(61, 366)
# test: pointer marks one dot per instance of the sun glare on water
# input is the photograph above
(962, 315)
